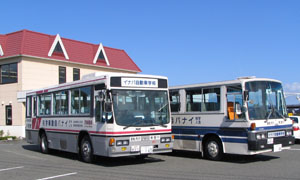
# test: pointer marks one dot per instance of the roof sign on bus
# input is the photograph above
(139, 82)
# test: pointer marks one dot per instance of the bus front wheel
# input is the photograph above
(44, 146)
(86, 150)
(213, 149)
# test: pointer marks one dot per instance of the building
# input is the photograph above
(31, 60)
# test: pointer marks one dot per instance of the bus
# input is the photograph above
(103, 114)
(246, 116)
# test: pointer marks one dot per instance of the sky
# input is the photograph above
(192, 41)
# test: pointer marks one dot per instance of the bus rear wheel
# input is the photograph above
(44, 146)
(86, 150)
(213, 149)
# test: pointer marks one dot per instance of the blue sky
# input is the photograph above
(189, 41)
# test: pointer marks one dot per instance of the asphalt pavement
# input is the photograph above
(19, 160)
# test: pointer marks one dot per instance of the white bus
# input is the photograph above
(245, 116)
(108, 115)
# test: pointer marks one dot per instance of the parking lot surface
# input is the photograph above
(19, 160)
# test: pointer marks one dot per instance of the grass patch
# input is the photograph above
(8, 138)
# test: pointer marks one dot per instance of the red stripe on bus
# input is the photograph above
(114, 133)
(131, 132)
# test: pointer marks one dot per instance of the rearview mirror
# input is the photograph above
(101, 96)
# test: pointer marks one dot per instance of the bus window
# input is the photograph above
(193, 100)
(203, 100)
(235, 103)
(28, 106)
(175, 101)
(211, 98)
(45, 104)
(60, 103)
(34, 107)
(81, 100)
(98, 110)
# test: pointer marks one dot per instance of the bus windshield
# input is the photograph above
(140, 108)
(266, 100)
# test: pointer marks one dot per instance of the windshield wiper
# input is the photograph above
(162, 107)
(161, 124)
(132, 125)
(271, 112)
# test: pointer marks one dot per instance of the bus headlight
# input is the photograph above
(122, 143)
(289, 133)
(260, 136)
(165, 139)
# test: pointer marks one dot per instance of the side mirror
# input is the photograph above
(101, 96)
(107, 107)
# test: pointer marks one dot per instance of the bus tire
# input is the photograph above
(213, 149)
(86, 150)
(44, 145)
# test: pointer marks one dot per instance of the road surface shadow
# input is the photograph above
(227, 158)
(98, 160)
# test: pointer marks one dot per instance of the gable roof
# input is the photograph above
(35, 44)
(58, 43)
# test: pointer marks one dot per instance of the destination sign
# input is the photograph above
(139, 82)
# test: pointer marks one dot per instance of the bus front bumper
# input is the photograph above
(275, 144)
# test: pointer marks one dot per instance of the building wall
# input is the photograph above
(34, 73)
(8, 96)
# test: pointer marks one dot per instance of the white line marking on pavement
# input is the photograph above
(294, 149)
(7, 169)
(52, 177)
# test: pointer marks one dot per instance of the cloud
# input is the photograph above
(292, 87)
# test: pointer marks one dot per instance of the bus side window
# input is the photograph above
(175, 101)
(98, 110)
(28, 106)
(235, 103)
(34, 107)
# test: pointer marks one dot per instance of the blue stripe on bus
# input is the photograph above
(205, 130)
(187, 138)
(274, 127)
(226, 140)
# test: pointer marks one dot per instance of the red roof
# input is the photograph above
(36, 44)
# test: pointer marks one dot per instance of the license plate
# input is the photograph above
(146, 149)
(276, 134)
(156, 137)
(277, 147)
(135, 148)
(135, 139)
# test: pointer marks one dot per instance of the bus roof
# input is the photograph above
(239, 80)
(98, 76)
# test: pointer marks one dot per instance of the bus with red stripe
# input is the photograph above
(108, 114)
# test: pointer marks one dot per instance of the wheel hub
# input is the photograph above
(213, 149)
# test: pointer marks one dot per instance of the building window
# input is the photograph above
(101, 56)
(9, 73)
(62, 74)
(76, 74)
(8, 114)
(58, 48)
